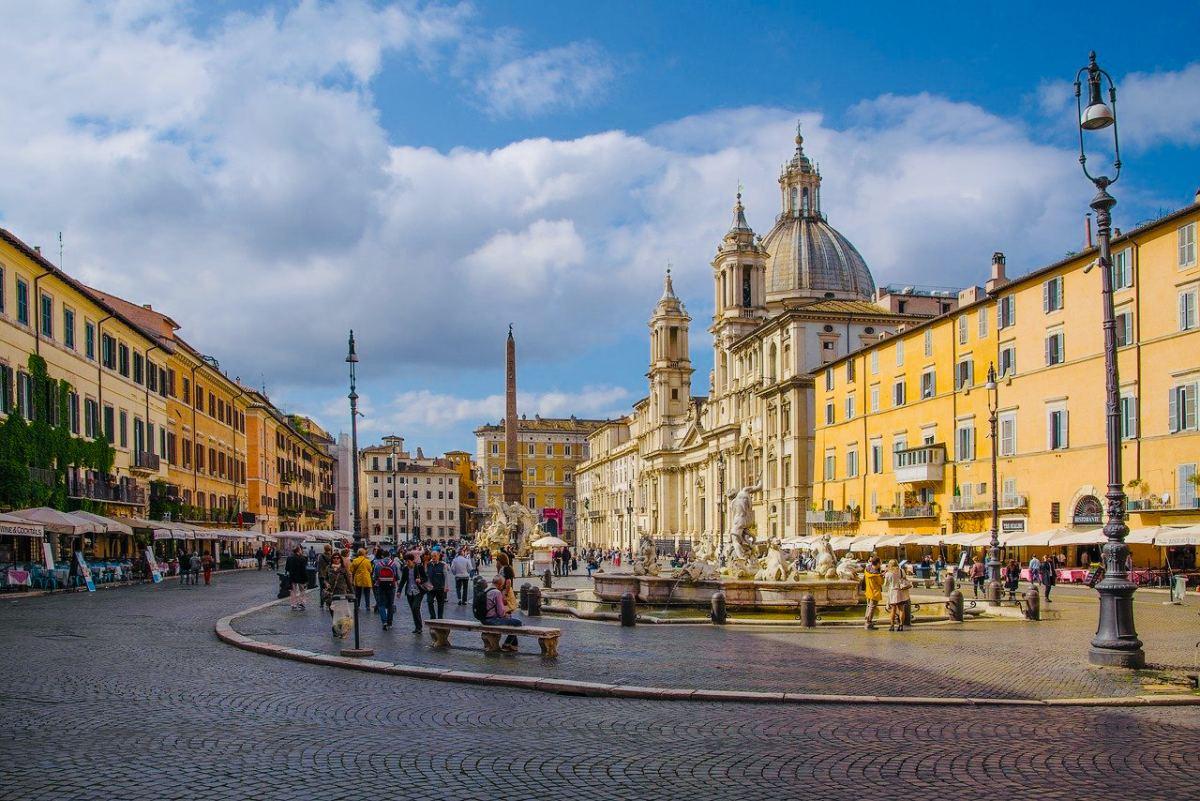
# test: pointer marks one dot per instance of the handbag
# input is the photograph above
(510, 599)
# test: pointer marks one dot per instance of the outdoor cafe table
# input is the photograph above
(1072, 575)
(17, 577)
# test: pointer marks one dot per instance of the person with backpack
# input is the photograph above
(496, 612)
(413, 584)
(385, 575)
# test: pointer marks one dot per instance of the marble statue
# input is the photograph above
(774, 566)
(826, 565)
(741, 523)
(646, 563)
(848, 568)
(511, 524)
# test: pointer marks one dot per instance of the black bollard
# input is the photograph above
(1033, 604)
(628, 610)
(719, 613)
(954, 606)
(995, 591)
(808, 611)
(948, 584)
(546, 582)
(534, 602)
(523, 596)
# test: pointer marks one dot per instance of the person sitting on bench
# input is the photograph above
(497, 614)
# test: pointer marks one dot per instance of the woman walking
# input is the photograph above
(296, 568)
(895, 588)
(360, 573)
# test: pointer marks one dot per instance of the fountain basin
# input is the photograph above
(739, 593)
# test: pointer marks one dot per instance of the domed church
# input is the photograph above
(785, 304)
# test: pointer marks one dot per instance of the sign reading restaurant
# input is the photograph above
(1088, 512)
(1013, 525)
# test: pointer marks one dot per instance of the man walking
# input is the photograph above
(412, 585)
(436, 576)
(977, 575)
(460, 568)
(384, 576)
(194, 566)
(296, 568)
(258, 557)
(497, 614)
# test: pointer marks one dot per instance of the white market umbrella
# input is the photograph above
(1180, 536)
(1094, 536)
(111, 525)
(549, 541)
(866, 544)
(57, 522)
(13, 526)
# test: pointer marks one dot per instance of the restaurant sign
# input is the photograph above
(1013, 525)
(1088, 512)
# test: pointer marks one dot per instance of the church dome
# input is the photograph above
(808, 257)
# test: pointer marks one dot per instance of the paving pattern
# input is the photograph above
(126, 694)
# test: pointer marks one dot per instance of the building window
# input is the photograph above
(123, 428)
(964, 375)
(138, 368)
(1008, 434)
(566, 450)
(875, 398)
(123, 360)
(874, 362)
(1122, 270)
(1124, 329)
(1181, 408)
(1055, 349)
(1187, 245)
(89, 340)
(964, 329)
(47, 316)
(1008, 360)
(877, 457)
(1006, 311)
(108, 351)
(928, 384)
(1052, 295)
(1128, 417)
(983, 324)
(849, 407)
(899, 352)
(850, 370)
(829, 413)
(22, 302)
(898, 396)
(109, 425)
(1056, 429)
(830, 466)
(852, 463)
(1187, 310)
(69, 327)
(928, 342)
(828, 379)
(1186, 491)
(964, 443)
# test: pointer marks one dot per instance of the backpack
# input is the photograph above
(479, 602)
(387, 573)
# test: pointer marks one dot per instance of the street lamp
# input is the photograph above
(993, 563)
(629, 513)
(395, 520)
(352, 359)
(1116, 643)
(721, 507)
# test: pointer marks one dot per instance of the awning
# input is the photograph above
(12, 526)
(841, 543)
(1182, 536)
(57, 522)
(1094, 536)
(110, 525)
(929, 539)
(866, 544)
(549, 542)
(895, 540)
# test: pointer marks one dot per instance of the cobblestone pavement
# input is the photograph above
(979, 659)
(127, 694)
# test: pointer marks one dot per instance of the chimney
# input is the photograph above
(998, 278)
(1087, 227)
(147, 307)
(37, 249)
(1196, 199)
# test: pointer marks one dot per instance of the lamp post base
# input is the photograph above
(1110, 657)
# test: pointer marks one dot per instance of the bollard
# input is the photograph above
(523, 596)
(994, 591)
(719, 613)
(546, 582)
(948, 584)
(534, 602)
(954, 606)
(628, 610)
(808, 611)
(1033, 604)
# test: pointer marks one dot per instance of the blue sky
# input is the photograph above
(271, 174)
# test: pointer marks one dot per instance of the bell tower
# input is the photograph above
(739, 277)
(670, 371)
(800, 184)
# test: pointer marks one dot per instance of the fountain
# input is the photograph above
(756, 576)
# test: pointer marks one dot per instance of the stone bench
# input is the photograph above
(547, 638)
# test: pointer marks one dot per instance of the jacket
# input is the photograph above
(873, 581)
(337, 582)
(418, 577)
(360, 571)
(436, 571)
(895, 587)
(297, 569)
(495, 604)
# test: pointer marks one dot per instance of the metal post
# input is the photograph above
(628, 610)
(721, 507)
(993, 563)
(352, 359)
(808, 610)
(719, 609)
(395, 520)
(1116, 643)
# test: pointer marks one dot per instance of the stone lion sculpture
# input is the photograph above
(826, 565)
(848, 568)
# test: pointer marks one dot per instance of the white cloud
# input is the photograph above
(425, 410)
(562, 77)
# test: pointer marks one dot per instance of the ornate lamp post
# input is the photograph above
(629, 513)
(1116, 643)
(395, 519)
(721, 507)
(352, 360)
(993, 563)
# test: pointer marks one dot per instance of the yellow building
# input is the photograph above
(468, 507)
(115, 371)
(549, 450)
(901, 442)
(289, 470)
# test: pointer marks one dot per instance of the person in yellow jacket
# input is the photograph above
(873, 581)
(360, 575)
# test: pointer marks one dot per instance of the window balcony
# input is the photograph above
(983, 503)
(144, 462)
(1159, 504)
(831, 517)
(921, 465)
(92, 489)
(907, 512)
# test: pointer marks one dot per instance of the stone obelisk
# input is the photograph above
(512, 470)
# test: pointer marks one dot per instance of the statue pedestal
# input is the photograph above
(739, 593)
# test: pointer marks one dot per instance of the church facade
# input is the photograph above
(785, 304)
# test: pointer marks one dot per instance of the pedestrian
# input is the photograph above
(938, 567)
(296, 568)
(460, 568)
(384, 576)
(412, 586)
(895, 588)
(1035, 571)
(360, 574)
(1049, 577)
(259, 556)
(497, 612)
(1012, 578)
(184, 569)
(977, 574)
(194, 566)
(438, 579)
(323, 568)
(505, 571)
(873, 589)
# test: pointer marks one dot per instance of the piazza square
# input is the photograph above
(492, 401)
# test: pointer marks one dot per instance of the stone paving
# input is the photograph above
(127, 694)
(977, 659)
